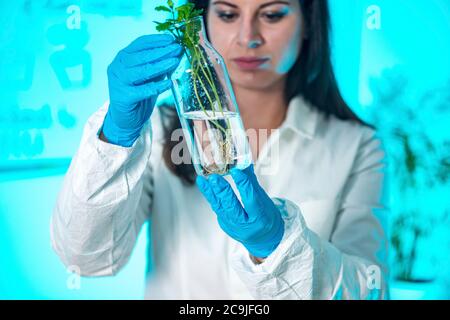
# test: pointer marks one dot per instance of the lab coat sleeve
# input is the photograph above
(352, 265)
(104, 200)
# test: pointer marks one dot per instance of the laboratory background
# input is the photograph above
(392, 61)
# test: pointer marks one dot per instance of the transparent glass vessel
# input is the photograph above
(207, 106)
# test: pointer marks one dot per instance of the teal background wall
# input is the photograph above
(53, 60)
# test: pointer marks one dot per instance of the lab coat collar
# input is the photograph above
(301, 117)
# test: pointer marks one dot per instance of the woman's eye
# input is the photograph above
(273, 17)
(227, 17)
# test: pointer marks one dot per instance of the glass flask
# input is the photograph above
(207, 107)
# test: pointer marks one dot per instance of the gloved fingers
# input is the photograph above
(231, 207)
(141, 74)
(149, 56)
(229, 227)
(222, 218)
(149, 41)
(249, 190)
(208, 193)
(139, 93)
(250, 171)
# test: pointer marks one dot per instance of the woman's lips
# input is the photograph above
(250, 63)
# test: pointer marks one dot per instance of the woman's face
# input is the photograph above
(256, 28)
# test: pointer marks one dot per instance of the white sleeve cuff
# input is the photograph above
(272, 278)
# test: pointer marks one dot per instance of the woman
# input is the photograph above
(306, 221)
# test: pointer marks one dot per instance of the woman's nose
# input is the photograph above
(249, 34)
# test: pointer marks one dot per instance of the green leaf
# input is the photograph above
(163, 8)
(185, 9)
(181, 15)
(197, 12)
(163, 26)
(186, 34)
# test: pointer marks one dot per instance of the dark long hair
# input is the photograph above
(312, 76)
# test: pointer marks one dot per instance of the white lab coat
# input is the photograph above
(328, 181)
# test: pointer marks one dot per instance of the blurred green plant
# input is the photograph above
(417, 160)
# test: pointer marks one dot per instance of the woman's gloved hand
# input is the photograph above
(135, 79)
(258, 225)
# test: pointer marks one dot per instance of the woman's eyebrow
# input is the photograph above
(225, 3)
(274, 2)
(261, 6)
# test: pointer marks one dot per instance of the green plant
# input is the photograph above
(418, 160)
(420, 164)
(184, 24)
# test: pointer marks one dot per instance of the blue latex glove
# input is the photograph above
(258, 225)
(135, 79)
